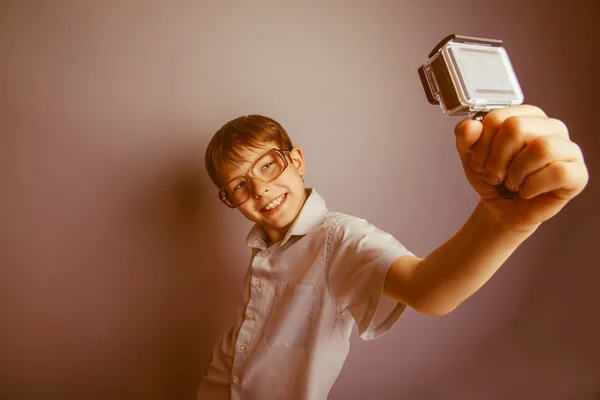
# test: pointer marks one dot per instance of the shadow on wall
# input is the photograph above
(543, 345)
(109, 269)
(545, 330)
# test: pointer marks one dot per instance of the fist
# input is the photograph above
(531, 154)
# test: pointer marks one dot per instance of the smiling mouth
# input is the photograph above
(274, 203)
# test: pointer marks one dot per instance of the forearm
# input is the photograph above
(459, 267)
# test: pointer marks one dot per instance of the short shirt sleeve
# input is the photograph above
(360, 255)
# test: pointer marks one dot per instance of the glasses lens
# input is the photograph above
(236, 192)
(269, 167)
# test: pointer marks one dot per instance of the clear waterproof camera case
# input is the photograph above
(468, 75)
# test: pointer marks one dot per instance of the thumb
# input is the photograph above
(467, 133)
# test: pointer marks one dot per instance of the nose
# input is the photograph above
(259, 188)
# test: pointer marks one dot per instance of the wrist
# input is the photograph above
(501, 224)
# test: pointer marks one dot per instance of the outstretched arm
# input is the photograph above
(531, 154)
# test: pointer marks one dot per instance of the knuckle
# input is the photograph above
(585, 178)
(526, 188)
(541, 147)
(512, 127)
(492, 120)
(535, 110)
(563, 129)
(578, 151)
(560, 172)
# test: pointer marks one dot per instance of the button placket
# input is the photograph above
(259, 263)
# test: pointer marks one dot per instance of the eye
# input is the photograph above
(267, 165)
(239, 185)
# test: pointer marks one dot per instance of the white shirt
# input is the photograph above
(301, 299)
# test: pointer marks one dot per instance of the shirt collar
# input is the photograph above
(311, 215)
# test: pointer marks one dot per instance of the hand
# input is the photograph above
(531, 154)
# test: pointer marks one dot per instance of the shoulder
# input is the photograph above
(340, 221)
(342, 226)
(356, 239)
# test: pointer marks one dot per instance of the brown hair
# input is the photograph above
(249, 131)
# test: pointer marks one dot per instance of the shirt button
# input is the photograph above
(235, 380)
(251, 315)
(257, 283)
(242, 348)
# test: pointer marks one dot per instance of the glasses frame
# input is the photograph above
(249, 176)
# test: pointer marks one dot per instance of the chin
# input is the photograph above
(284, 221)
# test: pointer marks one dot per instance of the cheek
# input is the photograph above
(248, 209)
(243, 210)
(294, 182)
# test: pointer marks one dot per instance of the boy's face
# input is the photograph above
(276, 204)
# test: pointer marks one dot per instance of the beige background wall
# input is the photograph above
(119, 268)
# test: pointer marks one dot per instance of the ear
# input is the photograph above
(298, 160)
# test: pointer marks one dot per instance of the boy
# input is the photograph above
(314, 273)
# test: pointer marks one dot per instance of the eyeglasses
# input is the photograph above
(266, 169)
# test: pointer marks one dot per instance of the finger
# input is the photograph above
(564, 179)
(541, 152)
(467, 133)
(491, 123)
(514, 133)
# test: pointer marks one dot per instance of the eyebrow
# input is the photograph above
(246, 169)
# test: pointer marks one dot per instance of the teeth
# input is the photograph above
(274, 203)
